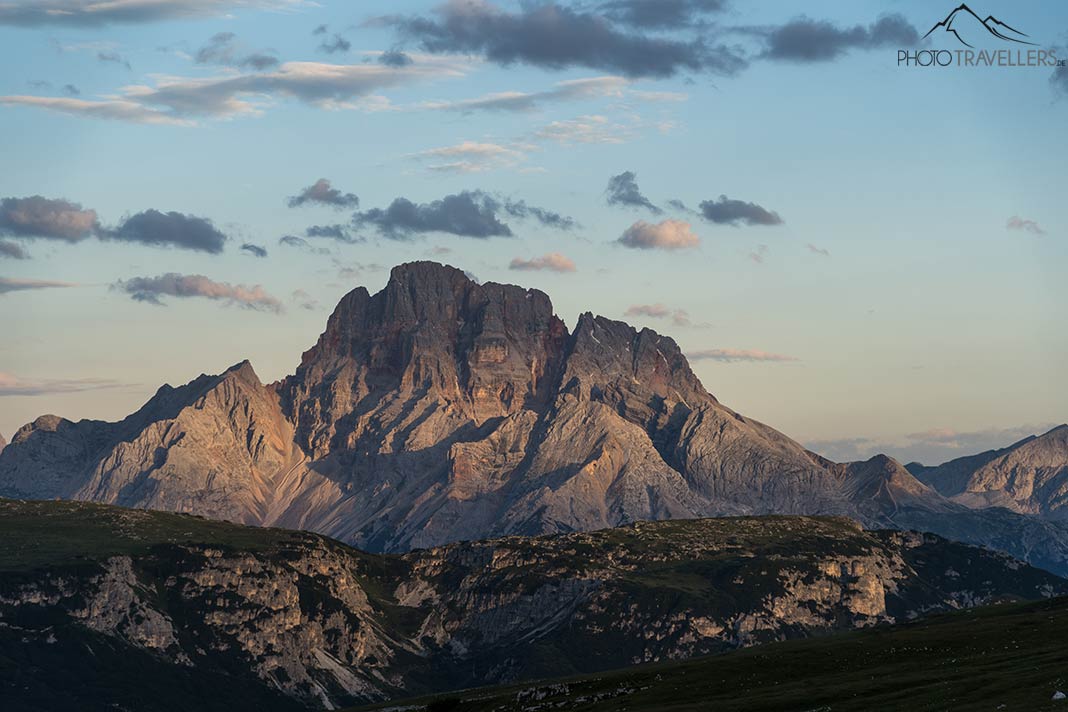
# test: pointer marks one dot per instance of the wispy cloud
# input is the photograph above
(11, 385)
(322, 192)
(470, 157)
(817, 250)
(153, 289)
(679, 317)
(1018, 223)
(95, 13)
(623, 190)
(570, 90)
(9, 284)
(738, 356)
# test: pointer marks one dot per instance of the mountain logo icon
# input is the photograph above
(965, 25)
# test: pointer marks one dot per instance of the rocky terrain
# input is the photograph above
(441, 410)
(101, 607)
(1030, 476)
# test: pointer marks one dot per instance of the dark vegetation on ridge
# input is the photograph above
(103, 606)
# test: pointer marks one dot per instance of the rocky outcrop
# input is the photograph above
(1029, 477)
(440, 409)
(327, 625)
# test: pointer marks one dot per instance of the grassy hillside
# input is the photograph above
(1007, 657)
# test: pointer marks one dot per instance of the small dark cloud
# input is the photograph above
(301, 244)
(9, 284)
(661, 14)
(818, 250)
(13, 250)
(321, 192)
(340, 233)
(113, 58)
(335, 44)
(39, 84)
(37, 216)
(320, 30)
(467, 214)
(71, 90)
(553, 36)
(152, 290)
(623, 190)
(807, 40)
(759, 254)
(254, 250)
(734, 212)
(222, 48)
(394, 58)
(152, 227)
(303, 300)
(1018, 223)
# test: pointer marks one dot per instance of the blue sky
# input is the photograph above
(893, 303)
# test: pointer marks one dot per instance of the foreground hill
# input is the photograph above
(103, 607)
(1006, 657)
(440, 409)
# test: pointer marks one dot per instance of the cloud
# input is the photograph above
(151, 289)
(152, 227)
(552, 262)
(180, 101)
(466, 214)
(931, 447)
(95, 13)
(301, 244)
(8, 284)
(332, 232)
(759, 254)
(37, 216)
(395, 58)
(557, 37)
(592, 128)
(470, 157)
(254, 250)
(13, 250)
(321, 192)
(11, 385)
(1059, 79)
(303, 300)
(738, 356)
(71, 90)
(807, 40)
(732, 212)
(336, 44)
(817, 250)
(665, 235)
(113, 58)
(1018, 223)
(623, 190)
(679, 317)
(661, 14)
(571, 90)
(222, 49)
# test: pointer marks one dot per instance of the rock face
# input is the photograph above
(1030, 477)
(440, 410)
(156, 597)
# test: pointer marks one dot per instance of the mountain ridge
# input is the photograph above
(440, 409)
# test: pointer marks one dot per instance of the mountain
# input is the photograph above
(103, 607)
(969, 29)
(3, 442)
(1030, 476)
(961, 662)
(440, 410)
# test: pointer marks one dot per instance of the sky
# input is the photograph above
(867, 256)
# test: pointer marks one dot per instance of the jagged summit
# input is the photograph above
(440, 409)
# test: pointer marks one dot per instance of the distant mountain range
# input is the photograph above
(440, 410)
(105, 608)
